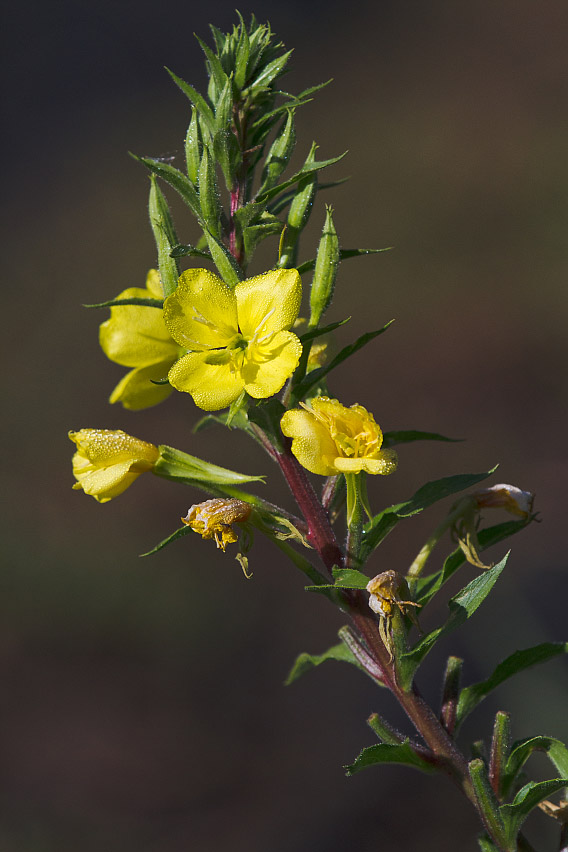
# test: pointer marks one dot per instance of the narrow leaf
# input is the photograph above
(165, 237)
(345, 578)
(388, 753)
(174, 464)
(318, 332)
(315, 376)
(176, 179)
(146, 303)
(173, 537)
(306, 171)
(391, 439)
(306, 662)
(526, 800)
(522, 750)
(517, 662)
(197, 100)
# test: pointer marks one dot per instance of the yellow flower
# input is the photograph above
(330, 438)
(213, 519)
(107, 461)
(135, 336)
(237, 339)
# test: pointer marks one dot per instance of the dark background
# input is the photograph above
(142, 702)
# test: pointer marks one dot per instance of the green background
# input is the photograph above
(142, 701)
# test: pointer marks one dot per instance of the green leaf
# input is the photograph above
(525, 801)
(318, 332)
(391, 439)
(209, 194)
(376, 530)
(461, 606)
(146, 303)
(197, 100)
(486, 800)
(271, 71)
(176, 179)
(522, 750)
(229, 269)
(279, 154)
(189, 251)
(517, 662)
(387, 753)
(315, 376)
(487, 845)
(345, 578)
(215, 69)
(344, 254)
(179, 533)
(306, 662)
(268, 415)
(304, 172)
(238, 421)
(426, 587)
(193, 148)
(173, 464)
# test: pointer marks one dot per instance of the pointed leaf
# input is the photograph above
(173, 464)
(176, 179)
(387, 753)
(318, 332)
(525, 801)
(146, 303)
(345, 578)
(179, 533)
(306, 171)
(305, 662)
(164, 236)
(391, 439)
(315, 376)
(472, 695)
(522, 750)
(197, 100)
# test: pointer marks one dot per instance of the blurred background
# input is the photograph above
(143, 707)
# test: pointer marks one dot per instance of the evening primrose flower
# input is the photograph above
(237, 339)
(135, 336)
(329, 438)
(503, 496)
(108, 461)
(213, 519)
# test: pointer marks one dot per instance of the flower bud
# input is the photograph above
(108, 461)
(507, 497)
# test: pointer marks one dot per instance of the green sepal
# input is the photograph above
(270, 72)
(391, 439)
(279, 154)
(461, 606)
(306, 171)
(179, 533)
(225, 152)
(173, 464)
(145, 303)
(344, 254)
(193, 149)
(306, 662)
(242, 55)
(499, 752)
(325, 272)
(315, 376)
(301, 203)
(517, 662)
(165, 236)
(175, 178)
(228, 268)
(388, 753)
(528, 798)
(487, 801)
(426, 587)
(376, 530)
(522, 750)
(254, 234)
(189, 251)
(345, 578)
(268, 415)
(198, 101)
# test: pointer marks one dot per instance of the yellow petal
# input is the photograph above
(109, 482)
(108, 446)
(269, 302)
(202, 312)
(311, 442)
(136, 391)
(212, 385)
(268, 366)
(154, 284)
(136, 336)
(345, 465)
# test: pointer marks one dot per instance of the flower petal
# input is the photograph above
(136, 336)
(311, 442)
(212, 385)
(108, 482)
(269, 302)
(154, 284)
(136, 391)
(352, 465)
(202, 312)
(268, 366)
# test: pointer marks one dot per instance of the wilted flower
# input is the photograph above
(135, 336)
(238, 339)
(385, 595)
(329, 438)
(108, 461)
(213, 519)
(507, 497)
